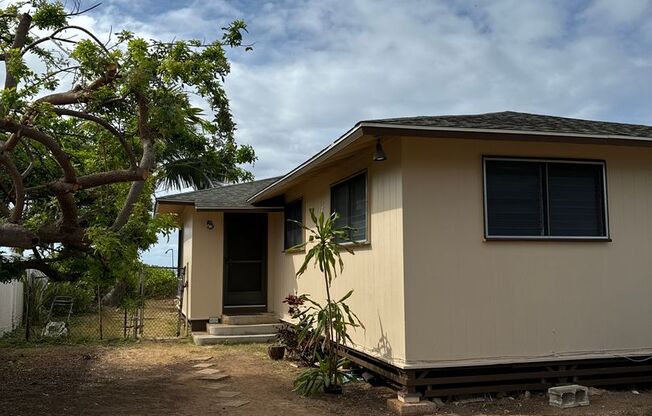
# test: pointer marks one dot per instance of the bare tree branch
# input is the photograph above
(79, 114)
(123, 216)
(45, 139)
(19, 41)
(19, 189)
(68, 209)
(30, 155)
(96, 179)
(146, 162)
(16, 235)
(79, 94)
(53, 34)
(78, 12)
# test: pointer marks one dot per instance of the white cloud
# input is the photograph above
(320, 66)
(327, 65)
(617, 12)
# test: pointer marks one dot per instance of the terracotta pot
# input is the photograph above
(276, 352)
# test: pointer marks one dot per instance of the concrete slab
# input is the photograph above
(201, 358)
(203, 365)
(208, 371)
(200, 338)
(421, 408)
(234, 403)
(409, 397)
(214, 377)
(214, 386)
(225, 394)
(186, 377)
(568, 396)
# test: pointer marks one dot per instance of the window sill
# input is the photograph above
(357, 244)
(294, 251)
(557, 239)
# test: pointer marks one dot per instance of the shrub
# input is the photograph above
(83, 294)
(160, 283)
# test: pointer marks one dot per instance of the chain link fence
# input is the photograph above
(149, 308)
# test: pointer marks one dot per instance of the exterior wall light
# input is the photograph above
(379, 153)
(210, 225)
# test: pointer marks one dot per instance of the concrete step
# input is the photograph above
(255, 329)
(202, 338)
(253, 319)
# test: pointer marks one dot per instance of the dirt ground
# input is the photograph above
(158, 378)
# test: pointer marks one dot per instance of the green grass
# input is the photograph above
(16, 339)
(160, 321)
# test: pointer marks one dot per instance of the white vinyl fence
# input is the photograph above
(11, 305)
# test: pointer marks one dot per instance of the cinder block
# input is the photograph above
(406, 397)
(421, 408)
(568, 396)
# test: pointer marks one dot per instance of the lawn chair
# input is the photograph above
(57, 323)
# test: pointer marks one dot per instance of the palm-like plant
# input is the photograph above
(332, 320)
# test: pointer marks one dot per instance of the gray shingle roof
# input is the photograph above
(510, 120)
(222, 197)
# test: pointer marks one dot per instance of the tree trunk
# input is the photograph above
(116, 294)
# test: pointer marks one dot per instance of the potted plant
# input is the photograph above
(276, 351)
(323, 327)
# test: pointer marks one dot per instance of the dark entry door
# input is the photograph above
(245, 263)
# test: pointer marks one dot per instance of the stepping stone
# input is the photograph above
(215, 377)
(234, 403)
(201, 358)
(215, 386)
(203, 365)
(208, 371)
(224, 394)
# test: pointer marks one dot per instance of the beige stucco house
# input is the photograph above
(502, 243)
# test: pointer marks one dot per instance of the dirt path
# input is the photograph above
(159, 379)
(150, 378)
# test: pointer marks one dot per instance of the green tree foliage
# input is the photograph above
(90, 128)
(159, 283)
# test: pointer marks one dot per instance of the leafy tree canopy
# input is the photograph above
(89, 128)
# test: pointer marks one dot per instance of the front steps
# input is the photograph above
(202, 338)
(253, 319)
(239, 329)
(254, 329)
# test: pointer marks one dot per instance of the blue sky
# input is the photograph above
(320, 66)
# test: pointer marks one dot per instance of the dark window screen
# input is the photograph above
(575, 199)
(542, 198)
(514, 198)
(293, 231)
(349, 200)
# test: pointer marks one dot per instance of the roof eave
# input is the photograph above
(376, 128)
(347, 138)
(159, 202)
(250, 208)
(502, 131)
(174, 201)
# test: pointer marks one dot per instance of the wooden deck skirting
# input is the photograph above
(453, 381)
